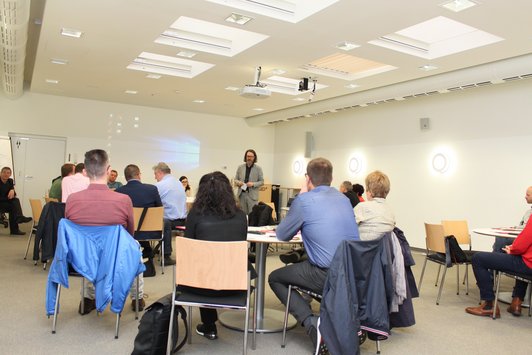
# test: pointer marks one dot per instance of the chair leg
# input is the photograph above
(171, 323)
(378, 343)
(529, 298)
(29, 241)
(162, 256)
(82, 303)
(496, 296)
(441, 285)
(54, 322)
(467, 279)
(254, 341)
(457, 279)
(285, 324)
(190, 325)
(437, 275)
(117, 324)
(421, 278)
(246, 328)
(137, 299)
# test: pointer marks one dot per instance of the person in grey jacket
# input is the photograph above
(248, 179)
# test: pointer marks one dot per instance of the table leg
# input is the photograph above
(268, 320)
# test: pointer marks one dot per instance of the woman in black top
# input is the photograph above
(214, 216)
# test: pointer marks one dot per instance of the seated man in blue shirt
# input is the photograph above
(175, 205)
(325, 218)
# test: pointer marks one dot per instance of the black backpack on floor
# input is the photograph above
(153, 328)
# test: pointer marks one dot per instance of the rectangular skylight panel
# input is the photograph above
(441, 36)
(165, 65)
(286, 10)
(203, 36)
(436, 29)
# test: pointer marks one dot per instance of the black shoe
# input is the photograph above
(142, 304)
(210, 334)
(23, 219)
(18, 232)
(168, 260)
(311, 325)
(150, 269)
(290, 258)
(88, 306)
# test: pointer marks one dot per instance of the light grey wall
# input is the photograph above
(489, 131)
(192, 144)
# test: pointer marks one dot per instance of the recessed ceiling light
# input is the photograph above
(153, 76)
(59, 61)
(136, 125)
(458, 5)
(258, 109)
(118, 131)
(351, 86)
(238, 19)
(71, 32)
(131, 92)
(52, 81)
(232, 88)
(136, 118)
(298, 99)
(199, 101)
(346, 46)
(186, 54)
(428, 67)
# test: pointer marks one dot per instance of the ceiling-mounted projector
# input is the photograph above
(257, 90)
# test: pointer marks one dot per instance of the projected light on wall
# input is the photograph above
(181, 154)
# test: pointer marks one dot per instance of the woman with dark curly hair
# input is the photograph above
(215, 217)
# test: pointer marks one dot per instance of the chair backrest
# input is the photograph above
(50, 199)
(36, 209)
(211, 265)
(153, 221)
(435, 237)
(459, 229)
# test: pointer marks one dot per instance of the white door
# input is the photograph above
(36, 161)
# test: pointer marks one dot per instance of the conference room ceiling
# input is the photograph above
(140, 34)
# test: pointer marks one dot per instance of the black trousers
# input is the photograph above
(15, 211)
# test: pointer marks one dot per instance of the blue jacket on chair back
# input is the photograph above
(107, 256)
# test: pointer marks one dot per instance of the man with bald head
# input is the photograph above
(501, 242)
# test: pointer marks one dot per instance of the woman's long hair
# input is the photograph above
(215, 196)
(188, 185)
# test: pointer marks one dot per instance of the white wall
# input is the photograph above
(192, 144)
(489, 130)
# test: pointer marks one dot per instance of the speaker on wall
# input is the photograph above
(309, 144)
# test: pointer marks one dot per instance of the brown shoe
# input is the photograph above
(142, 304)
(484, 310)
(515, 307)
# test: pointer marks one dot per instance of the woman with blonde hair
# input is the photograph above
(374, 217)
